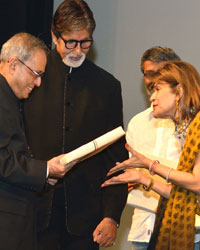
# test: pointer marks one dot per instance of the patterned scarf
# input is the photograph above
(174, 227)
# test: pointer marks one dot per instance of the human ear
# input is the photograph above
(12, 64)
(54, 38)
(179, 92)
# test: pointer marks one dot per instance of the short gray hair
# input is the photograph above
(158, 54)
(21, 45)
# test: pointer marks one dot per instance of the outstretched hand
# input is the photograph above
(129, 176)
(136, 161)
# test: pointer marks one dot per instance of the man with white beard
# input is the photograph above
(77, 102)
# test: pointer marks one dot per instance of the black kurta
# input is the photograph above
(69, 110)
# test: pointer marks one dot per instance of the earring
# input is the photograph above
(177, 116)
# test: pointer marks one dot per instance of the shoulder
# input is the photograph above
(7, 96)
(195, 123)
(99, 73)
(143, 116)
(139, 124)
(197, 118)
(55, 63)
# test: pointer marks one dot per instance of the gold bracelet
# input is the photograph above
(149, 187)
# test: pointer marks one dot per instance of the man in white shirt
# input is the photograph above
(149, 135)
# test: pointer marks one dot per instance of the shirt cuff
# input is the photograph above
(47, 171)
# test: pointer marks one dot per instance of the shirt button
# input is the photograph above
(69, 104)
(67, 128)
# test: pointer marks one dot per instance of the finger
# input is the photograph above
(70, 165)
(112, 181)
(116, 169)
(58, 158)
(96, 235)
(130, 188)
(129, 148)
(112, 243)
(105, 242)
(51, 181)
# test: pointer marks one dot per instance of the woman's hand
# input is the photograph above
(129, 176)
(136, 161)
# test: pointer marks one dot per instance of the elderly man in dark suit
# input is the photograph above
(23, 61)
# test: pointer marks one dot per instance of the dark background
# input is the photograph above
(32, 16)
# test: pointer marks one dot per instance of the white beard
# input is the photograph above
(71, 63)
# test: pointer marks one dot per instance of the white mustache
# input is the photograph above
(68, 60)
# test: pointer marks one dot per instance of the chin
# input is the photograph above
(158, 115)
(25, 96)
(162, 116)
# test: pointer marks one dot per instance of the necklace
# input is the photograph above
(182, 127)
(181, 131)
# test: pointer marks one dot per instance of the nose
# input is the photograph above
(152, 97)
(37, 81)
(78, 50)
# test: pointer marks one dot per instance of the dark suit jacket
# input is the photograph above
(20, 176)
(69, 110)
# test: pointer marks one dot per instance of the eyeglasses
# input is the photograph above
(36, 74)
(150, 88)
(149, 73)
(72, 44)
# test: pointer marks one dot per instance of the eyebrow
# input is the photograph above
(149, 72)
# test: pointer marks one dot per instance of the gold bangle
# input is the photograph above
(149, 187)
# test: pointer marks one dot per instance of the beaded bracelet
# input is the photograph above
(167, 177)
(152, 166)
(149, 187)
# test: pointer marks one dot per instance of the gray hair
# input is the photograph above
(158, 54)
(21, 45)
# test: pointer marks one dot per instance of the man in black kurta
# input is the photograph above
(77, 102)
